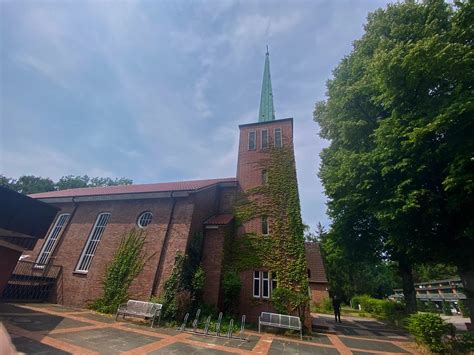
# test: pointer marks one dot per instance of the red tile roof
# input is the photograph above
(315, 263)
(219, 219)
(192, 185)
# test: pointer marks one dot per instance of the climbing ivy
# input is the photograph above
(282, 251)
(127, 263)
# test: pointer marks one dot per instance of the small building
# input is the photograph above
(23, 221)
(318, 283)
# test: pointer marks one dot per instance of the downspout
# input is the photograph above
(164, 248)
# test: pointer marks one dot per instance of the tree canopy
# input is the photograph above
(29, 184)
(399, 171)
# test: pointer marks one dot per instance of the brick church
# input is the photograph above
(91, 221)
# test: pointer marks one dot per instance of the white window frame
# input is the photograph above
(256, 292)
(265, 280)
(273, 279)
(261, 139)
(265, 218)
(254, 140)
(52, 239)
(92, 242)
(139, 221)
(275, 137)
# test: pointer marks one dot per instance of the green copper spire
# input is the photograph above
(267, 111)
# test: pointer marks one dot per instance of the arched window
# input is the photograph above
(144, 219)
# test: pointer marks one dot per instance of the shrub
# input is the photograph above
(231, 286)
(429, 329)
(197, 283)
(382, 308)
(126, 264)
(464, 309)
(172, 286)
(447, 308)
(287, 301)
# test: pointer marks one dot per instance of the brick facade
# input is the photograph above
(180, 211)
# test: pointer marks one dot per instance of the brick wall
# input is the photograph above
(213, 254)
(80, 289)
(7, 265)
(249, 175)
(318, 291)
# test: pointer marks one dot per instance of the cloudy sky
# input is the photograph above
(154, 90)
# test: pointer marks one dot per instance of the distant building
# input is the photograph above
(437, 291)
(88, 227)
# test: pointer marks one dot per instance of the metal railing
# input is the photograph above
(31, 282)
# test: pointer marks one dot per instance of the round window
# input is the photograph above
(144, 219)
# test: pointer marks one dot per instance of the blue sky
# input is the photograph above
(155, 90)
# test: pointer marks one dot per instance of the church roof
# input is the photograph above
(191, 185)
(315, 263)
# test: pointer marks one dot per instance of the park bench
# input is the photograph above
(140, 309)
(280, 321)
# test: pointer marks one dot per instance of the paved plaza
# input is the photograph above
(53, 329)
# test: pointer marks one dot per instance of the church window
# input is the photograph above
(264, 177)
(265, 285)
(252, 142)
(256, 284)
(265, 225)
(51, 240)
(144, 219)
(92, 242)
(278, 140)
(264, 139)
(274, 281)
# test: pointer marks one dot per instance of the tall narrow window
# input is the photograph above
(51, 240)
(264, 139)
(92, 242)
(274, 281)
(278, 140)
(265, 285)
(256, 284)
(265, 225)
(252, 142)
(264, 177)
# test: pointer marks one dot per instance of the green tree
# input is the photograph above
(29, 184)
(399, 117)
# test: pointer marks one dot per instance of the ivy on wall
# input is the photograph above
(283, 250)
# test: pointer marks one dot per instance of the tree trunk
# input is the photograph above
(466, 271)
(406, 272)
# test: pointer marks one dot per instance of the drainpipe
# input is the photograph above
(164, 248)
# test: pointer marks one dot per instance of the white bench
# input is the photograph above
(140, 309)
(280, 321)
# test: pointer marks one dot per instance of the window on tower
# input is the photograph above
(252, 140)
(265, 225)
(264, 177)
(264, 138)
(278, 140)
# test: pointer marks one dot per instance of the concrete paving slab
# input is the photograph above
(186, 349)
(30, 346)
(384, 346)
(106, 340)
(231, 343)
(43, 322)
(279, 347)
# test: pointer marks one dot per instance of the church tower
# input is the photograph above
(257, 138)
(255, 144)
